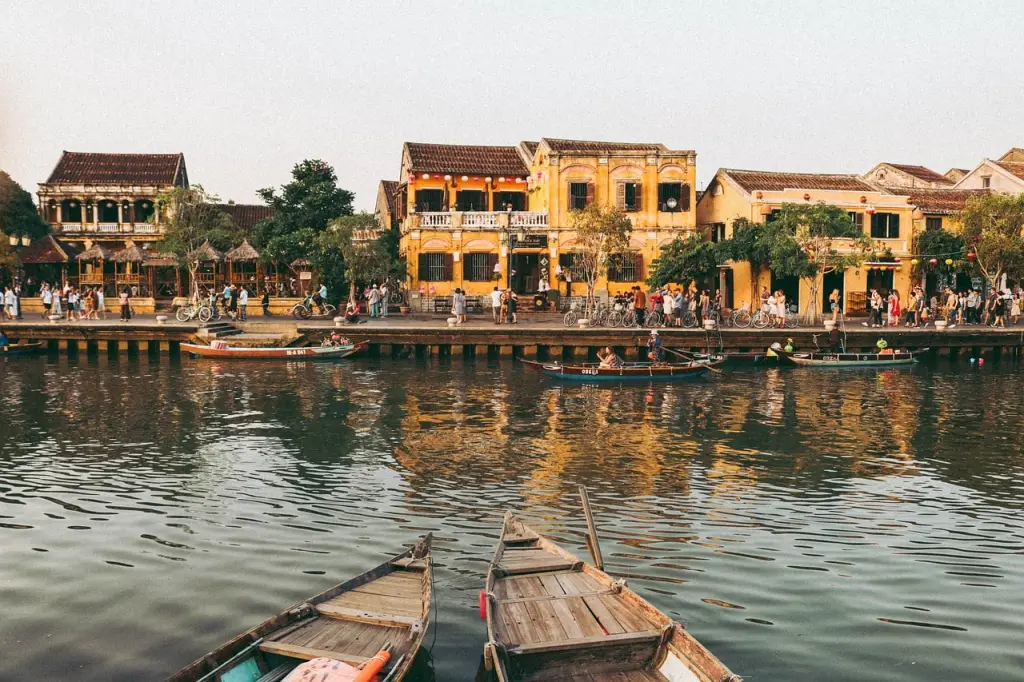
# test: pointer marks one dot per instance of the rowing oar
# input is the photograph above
(693, 359)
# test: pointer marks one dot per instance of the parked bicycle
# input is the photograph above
(192, 311)
(309, 308)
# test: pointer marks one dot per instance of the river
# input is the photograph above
(859, 526)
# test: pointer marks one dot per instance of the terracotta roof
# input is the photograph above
(959, 171)
(921, 173)
(119, 169)
(1016, 169)
(529, 147)
(48, 249)
(939, 200)
(94, 253)
(596, 147)
(469, 159)
(390, 188)
(131, 254)
(247, 215)
(1014, 155)
(751, 180)
(206, 254)
(242, 253)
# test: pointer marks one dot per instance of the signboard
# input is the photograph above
(305, 275)
(530, 241)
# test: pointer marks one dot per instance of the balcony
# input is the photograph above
(478, 220)
(71, 227)
(435, 220)
(106, 228)
(528, 219)
(145, 228)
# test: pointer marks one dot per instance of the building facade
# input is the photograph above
(476, 217)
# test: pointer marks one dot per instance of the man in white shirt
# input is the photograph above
(384, 299)
(243, 301)
(47, 296)
(496, 305)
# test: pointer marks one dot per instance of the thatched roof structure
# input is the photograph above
(242, 254)
(131, 254)
(159, 258)
(206, 254)
(95, 253)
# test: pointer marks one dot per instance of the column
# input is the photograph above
(120, 213)
(96, 214)
(59, 212)
(81, 206)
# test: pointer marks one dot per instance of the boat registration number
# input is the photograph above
(296, 351)
(589, 371)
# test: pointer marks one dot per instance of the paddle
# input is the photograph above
(693, 359)
(592, 543)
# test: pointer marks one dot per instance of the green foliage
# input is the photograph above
(194, 217)
(340, 257)
(748, 243)
(8, 262)
(18, 214)
(991, 227)
(600, 233)
(303, 208)
(940, 244)
(685, 260)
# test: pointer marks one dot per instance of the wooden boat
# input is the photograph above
(734, 357)
(630, 371)
(550, 616)
(827, 359)
(21, 349)
(300, 353)
(350, 622)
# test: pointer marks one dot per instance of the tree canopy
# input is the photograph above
(340, 258)
(602, 233)
(940, 244)
(684, 260)
(194, 218)
(18, 214)
(991, 227)
(303, 208)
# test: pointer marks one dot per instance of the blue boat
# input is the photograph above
(629, 371)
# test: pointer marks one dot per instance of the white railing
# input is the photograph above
(71, 227)
(435, 219)
(529, 219)
(479, 219)
(145, 228)
(108, 227)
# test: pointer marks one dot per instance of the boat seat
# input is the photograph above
(278, 673)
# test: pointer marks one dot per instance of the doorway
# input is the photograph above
(882, 280)
(833, 280)
(790, 286)
(526, 267)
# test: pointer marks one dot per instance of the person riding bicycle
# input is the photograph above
(320, 298)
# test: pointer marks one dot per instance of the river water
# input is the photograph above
(805, 525)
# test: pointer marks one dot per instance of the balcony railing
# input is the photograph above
(435, 220)
(529, 219)
(478, 220)
(108, 228)
(145, 228)
(71, 227)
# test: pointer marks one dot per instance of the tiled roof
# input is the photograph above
(921, 173)
(48, 249)
(751, 180)
(596, 147)
(1015, 155)
(469, 159)
(1016, 169)
(247, 215)
(939, 200)
(390, 188)
(529, 147)
(957, 171)
(119, 169)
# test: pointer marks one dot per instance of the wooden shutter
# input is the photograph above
(613, 267)
(467, 268)
(684, 197)
(422, 269)
(590, 193)
(894, 226)
(874, 225)
(620, 195)
(638, 267)
(449, 264)
(638, 203)
(492, 260)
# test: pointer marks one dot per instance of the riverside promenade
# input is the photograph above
(536, 335)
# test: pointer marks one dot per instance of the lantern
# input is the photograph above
(501, 178)
(913, 261)
(807, 197)
(863, 199)
(465, 178)
(766, 209)
(488, 179)
(918, 214)
(426, 176)
(970, 255)
(870, 210)
(759, 195)
(447, 178)
(949, 261)
(867, 249)
(896, 260)
(934, 261)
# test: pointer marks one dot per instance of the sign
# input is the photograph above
(530, 241)
(305, 275)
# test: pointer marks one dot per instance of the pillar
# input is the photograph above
(60, 212)
(120, 212)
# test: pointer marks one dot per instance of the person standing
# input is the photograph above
(513, 303)
(47, 295)
(226, 298)
(265, 302)
(639, 305)
(668, 304)
(384, 299)
(243, 302)
(496, 305)
(233, 302)
(459, 305)
(123, 299)
(373, 298)
(780, 308)
(8, 303)
(833, 303)
(17, 301)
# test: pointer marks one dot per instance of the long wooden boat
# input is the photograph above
(734, 357)
(350, 623)
(827, 359)
(300, 353)
(21, 349)
(630, 371)
(551, 616)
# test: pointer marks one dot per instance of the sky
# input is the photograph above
(248, 89)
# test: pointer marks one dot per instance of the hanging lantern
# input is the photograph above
(759, 195)
(465, 178)
(949, 261)
(934, 261)
(447, 178)
(867, 249)
(918, 214)
(501, 178)
(970, 255)
(488, 179)
(426, 176)
(766, 209)
(913, 261)
(863, 199)
(896, 259)
(807, 197)
(870, 210)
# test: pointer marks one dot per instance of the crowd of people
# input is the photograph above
(503, 305)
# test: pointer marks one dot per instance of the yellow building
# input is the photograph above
(884, 216)
(470, 216)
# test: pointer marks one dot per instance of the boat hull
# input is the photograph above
(291, 354)
(630, 372)
(15, 350)
(818, 359)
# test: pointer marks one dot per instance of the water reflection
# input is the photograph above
(841, 526)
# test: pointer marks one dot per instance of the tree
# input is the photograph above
(940, 245)
(341, 255)
(991, 227)
(8, 261)
(803, 242)
(602, 233)
(750, 243)
(685, 260)
(303, 208)
(18, 214)
(193, 218)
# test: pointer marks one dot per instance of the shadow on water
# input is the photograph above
(804, 525)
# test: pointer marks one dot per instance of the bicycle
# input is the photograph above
(304, 310)
(190, 312)
(653, 319)
(741, 318)
(572, 317)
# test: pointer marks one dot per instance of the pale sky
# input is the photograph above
(247, 89)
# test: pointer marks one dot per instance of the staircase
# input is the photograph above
(218, 330)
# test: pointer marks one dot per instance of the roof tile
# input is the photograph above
(1016, 169)
(939, 200)
(119, 169)
(596, 147)
(247, 215)
(921, 173)
(770, 181)
(461, 158)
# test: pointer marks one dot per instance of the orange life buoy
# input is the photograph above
(373, 666)
(483, 604)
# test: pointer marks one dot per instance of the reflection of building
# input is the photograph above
(471, 215)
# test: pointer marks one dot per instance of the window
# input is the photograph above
(885, 226)
(435, 267)
(478, 267)
(773, 216)
(858, 220)
(572, 263)
(504, 201)
(625, 267)
(629, 196)
(428, 200)
(717, 232)
(673, 197)
(470, 200)
(932, 224)
(581, 195)
(986, 182)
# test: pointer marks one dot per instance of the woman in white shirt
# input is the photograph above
(780, 308)
(772, 317)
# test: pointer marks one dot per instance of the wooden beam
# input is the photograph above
(549, 597)
(595, 548)
(307, 654)
(652, 636)
(362, 616)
